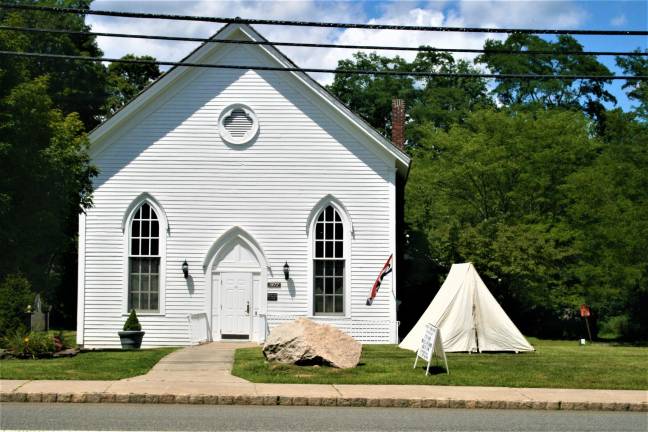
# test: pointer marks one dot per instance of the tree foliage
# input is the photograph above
(589, 95)
(46, 177)
(15, 296)
(637, 90)
(126, 80)
(46, 107)
(72, 86)
(490, 192)
(608, 202)
(357, 90)
(439, 101)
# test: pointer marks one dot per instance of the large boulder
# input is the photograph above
(305, 342)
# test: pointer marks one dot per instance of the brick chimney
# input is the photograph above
(398, 123)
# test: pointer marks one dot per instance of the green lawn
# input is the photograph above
(96, 365)
(561, 364)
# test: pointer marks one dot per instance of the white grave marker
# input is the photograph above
(431, 345)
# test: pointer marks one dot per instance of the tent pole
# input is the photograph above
(474, 317)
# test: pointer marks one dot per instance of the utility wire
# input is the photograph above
(324, 45)
(320, 24)
(320, 70)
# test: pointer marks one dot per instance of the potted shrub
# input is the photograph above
(131, 337)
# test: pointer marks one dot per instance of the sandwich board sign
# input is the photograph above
(431, 346)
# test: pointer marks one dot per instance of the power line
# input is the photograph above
(321, 70)
(323, 45)
(224, 20)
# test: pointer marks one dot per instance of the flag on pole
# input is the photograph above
(387, 268)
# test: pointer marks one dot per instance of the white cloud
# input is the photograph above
(166, 50)
(619, 20)
(524, 14)
(488, 13)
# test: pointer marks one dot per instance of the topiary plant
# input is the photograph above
(132, 323)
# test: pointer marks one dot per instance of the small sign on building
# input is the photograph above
(272, 296)
(274, 284)
(431, 345)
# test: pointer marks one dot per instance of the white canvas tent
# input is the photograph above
(469, 317)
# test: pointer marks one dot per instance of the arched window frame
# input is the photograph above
(164, 232)
(348, 236)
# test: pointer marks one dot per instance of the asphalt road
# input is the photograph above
(43, 416)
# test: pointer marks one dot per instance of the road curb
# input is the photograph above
(205, 399)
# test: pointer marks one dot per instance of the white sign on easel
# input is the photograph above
(431, 345)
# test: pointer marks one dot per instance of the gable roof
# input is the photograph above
(229, 31)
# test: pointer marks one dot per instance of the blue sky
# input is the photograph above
(613, 15)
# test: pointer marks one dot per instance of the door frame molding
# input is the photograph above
(212, 269)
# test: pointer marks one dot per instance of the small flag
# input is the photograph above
(387, 268)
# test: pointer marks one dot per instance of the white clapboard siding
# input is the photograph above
(172, 150)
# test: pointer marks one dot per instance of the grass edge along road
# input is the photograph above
(93, 365)
(554, 364)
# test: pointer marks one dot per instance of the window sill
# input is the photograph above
(330, 317)
(145, 314)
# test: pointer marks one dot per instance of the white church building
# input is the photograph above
(229, 201)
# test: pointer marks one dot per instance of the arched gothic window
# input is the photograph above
(328, 263)
(144, 261)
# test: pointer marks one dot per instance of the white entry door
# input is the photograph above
(236, 303)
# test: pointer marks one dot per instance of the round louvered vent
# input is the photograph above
(238, 124)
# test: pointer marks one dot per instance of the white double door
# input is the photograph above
(236, 304)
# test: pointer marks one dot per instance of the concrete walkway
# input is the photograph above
(201, 375)
(207, 364)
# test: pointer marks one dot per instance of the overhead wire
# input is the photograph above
(322, 45)
(323, 70)
(237, 20)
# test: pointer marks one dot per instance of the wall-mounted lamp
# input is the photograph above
(185, 269)
(286, 269)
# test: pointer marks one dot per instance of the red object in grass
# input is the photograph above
(584, 310)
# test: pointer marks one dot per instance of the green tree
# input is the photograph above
(588, 95)
(73, 86)
(126, 80)
(490, 192)
(45, 107)
(637, 90)
(445, 101)
(608, 204)
(15, 296)
(46, 180)
(371, 96)
(439, 101)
